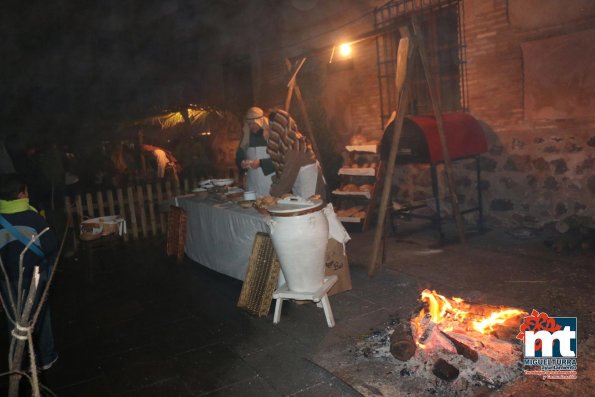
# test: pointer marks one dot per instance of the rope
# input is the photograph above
(21, 333)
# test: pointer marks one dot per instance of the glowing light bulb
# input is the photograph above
(345, 50)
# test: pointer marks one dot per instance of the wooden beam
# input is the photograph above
(292, 81)
(294, 87)
(441, 133)
(405, 67)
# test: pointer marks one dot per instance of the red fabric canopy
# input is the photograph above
(464, 135)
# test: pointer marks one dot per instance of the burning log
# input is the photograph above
(402, 346)
(445, 371)
(457, 314)
(428, 326)
(462, 349)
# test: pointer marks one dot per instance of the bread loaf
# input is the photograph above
(350, 187)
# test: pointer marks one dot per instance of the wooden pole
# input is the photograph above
(151, 204)
(133, 224)
(100, 203)
(162, 224)
(289, 94)
(292, 81)
(405, 66)
(90, 210)
(441, 133)
(141, 206)
(294, 87)
(122, 208)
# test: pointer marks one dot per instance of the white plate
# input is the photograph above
(234, 190)
(222, 182)
(198, 190)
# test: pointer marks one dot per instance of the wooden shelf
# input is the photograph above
(367, 195)
(350, 219)
(358, 171)
(362, 148)
(371, 175)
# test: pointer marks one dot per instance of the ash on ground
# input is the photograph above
(499, 363)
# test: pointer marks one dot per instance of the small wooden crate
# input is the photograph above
(261, 277)
(176, 232)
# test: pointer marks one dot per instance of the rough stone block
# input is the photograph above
(486, 164)
(508, 182)
(571, 147)
(541, 164)
(560, 166)
(520, 163)
(501, 205)
(464, 181)
(561, 209)
(591, 184)
(550, 183)
(586, 164)
(496, 150)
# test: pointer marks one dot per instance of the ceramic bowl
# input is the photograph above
(250, 195)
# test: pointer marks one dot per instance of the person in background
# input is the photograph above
(252, 156)
(166, 163)
(298, 170)
(17, 214)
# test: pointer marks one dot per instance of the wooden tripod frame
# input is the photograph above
(411, 44)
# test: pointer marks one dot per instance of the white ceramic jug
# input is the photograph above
(299, 231)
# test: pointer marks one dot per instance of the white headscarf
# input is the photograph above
(255, 115)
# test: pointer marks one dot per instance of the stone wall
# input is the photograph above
(539, 168)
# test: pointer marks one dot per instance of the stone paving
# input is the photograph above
(140, 324)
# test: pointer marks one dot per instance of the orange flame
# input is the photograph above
(439, 307)
(444, 311)
(487, 324)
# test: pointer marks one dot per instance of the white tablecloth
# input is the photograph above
(220, 237)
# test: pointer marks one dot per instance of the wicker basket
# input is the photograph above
(109, 228)
(176, 232)
(91, 231)
(261, 277)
